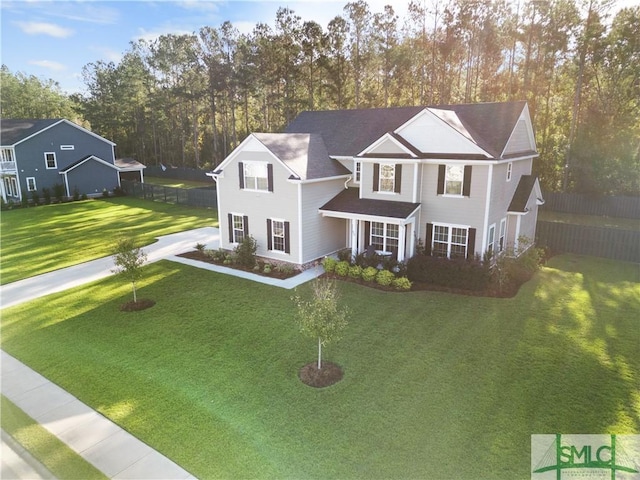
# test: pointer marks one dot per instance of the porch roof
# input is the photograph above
(349, 202)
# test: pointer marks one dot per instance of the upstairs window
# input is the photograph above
(256, 176)
(387, 177)
(454, 180)
(50, 160)
(503, 231)
(509, 171)
(357, 170)
(7, 155)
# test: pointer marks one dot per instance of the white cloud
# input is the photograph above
(49, 65)
(42, 28)
(108, 54)
(151, 35)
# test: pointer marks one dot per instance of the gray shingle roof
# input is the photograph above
(348, 201)
(14, 130)
(348, 132)
(304, 153)
(522, 194)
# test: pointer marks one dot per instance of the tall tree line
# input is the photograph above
(190, 99)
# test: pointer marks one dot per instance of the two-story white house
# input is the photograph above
(456, 179)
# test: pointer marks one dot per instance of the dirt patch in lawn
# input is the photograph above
(329, 374)
(141, 304)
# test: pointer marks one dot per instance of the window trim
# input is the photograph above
(491, 238)
(46, 161)
(470, 238)
(242, 166)
(234, 232)
(14, 186)
(35, 186)
(67, 147)
(502, 235)
(271, 236)
(509, 171)
(465, 188)
(357, 171)
(385, 236)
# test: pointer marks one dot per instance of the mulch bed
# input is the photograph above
(141, 304)
(329, 374)
(275, 273)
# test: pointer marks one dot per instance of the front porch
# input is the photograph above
(387, 227)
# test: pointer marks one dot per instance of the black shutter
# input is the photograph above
(270, 176)
(428, 239)
(398, 179)
(245, 220)
(287, 246)
(241, 174)
(269, 239)
(466, 183)
(376, 176)
(441, 173)
(230, 217)
(367, 234)
(471, 243)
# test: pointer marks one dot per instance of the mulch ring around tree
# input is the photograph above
(141, 304)
(329, 374)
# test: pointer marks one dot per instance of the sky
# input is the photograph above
(56, 38)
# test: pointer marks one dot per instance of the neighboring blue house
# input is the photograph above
(38, 154)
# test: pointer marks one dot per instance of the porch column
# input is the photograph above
(354, 236)
(4, 194)
(401, 239)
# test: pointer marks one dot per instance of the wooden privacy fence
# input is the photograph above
(195, 197)
(588, 240)
(621, 207)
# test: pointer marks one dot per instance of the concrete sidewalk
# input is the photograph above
(112, 450)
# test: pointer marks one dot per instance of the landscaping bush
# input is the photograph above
(344, 255)
(454, 273)
(329, 264)
(58, 192)
(35, 197)
(355, 271)
(401, 283)
(46, 195)
(285, 268)
(342, 268)
(385, 277)
(367, 260)
(76, 194)
(267, 268)
(200, 247)
(246, 252)
(369, 274)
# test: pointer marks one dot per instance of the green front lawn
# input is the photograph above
(40, 239)
(436, 385)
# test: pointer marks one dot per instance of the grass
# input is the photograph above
(59, 459)
(177, 183)
(436, 385)
(41, 239)
(589, 220)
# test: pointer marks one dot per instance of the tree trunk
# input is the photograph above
(319, 353)
(135, 299)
